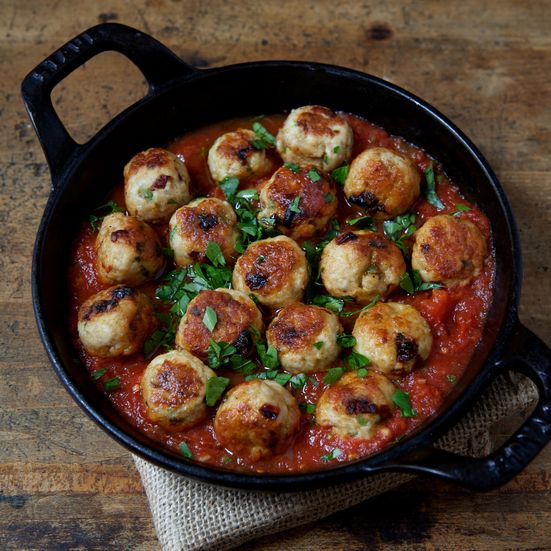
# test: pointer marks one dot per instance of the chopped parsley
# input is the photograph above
(356, 360)
(333, 375)
(318, 345)
(102, 211)
(229, 186)
(210, 319)
(459, 208)
(333, 454)
(293, 205)
(99, 373)
(401, 399)
(184, 450)
(430, 191)
(399, 229)
(112, 384)
(214, 389)
(331, 303)
(452, 378)
(215, 255)
(271, 375)
(328, 197)
(298, 381)
(336, 149)
(413, 283)
(362, 372)
(219, 353)
(364, 222)
(314, 175)
(366, 307)
(340, 174)
(308, 407)
(146, 194)
(263, 140)
(346, 341)
(268, 355)
(293, 167)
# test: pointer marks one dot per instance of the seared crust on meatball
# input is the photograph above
(362, 265)
(315, 135)
(448, 250)
(236, 313)
(356, 407)
(382, 182)
(300, 203)
(115, 322)
(156, 183)
(234, 154)
(305, 337)
(194, 225)
(173, 389)
(393, 336)
(127, 250)
(257, 419)
(274, 270)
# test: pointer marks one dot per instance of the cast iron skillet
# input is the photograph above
(181, 98)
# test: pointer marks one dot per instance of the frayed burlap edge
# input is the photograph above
(194, 516)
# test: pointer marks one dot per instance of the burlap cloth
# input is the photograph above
(190, 515)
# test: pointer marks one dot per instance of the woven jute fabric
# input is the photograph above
(190, 515)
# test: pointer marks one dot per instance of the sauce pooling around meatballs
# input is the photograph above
(281, 294)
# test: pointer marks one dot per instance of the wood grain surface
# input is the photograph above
(486, 64)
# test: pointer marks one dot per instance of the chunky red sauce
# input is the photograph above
(456, 317)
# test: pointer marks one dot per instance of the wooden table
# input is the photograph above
(63, 483)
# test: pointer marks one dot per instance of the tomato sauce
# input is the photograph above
(456, 318)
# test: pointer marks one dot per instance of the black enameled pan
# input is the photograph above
(182, 98)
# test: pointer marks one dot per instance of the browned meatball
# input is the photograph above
(356, 407)
(173, 389)
(128, 250)
(274, 270)
(257, 419)
(235, 312)
(362, 265)
(115, 322)
(305, 337)
(194, 225)
(448, 250)
(382, 182)
(300, 201)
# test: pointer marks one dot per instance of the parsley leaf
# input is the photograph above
(271, 375)
(307, 407)
(215, 255)
(331, 303)
(366, 307)
(102, 211)
(219, 353)
(362, 372)
(298, 381)
(318, 345)
(333, 454)
(346, 341)
(364, 222)
(413, 283)
(399, 229)
(340, 174)
(98, 374)
(356, 360)
(452, 378)
(328, 197)
(268, 356)
(112, 384)
(314, 175)
(459, 208)
(210, 319)
(293, 205)
(214, 389)
(430, 192)
(184, 450)
(401, 399)
(293, 167)
(264, 140)
(229, 186)
(333, 375)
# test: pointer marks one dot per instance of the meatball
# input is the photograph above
(173, 389)
(315, 135)
(115, 322)
(236, 313)
(393, 336)
(305, 337)
(234, 154)
(382, 182)
(362, 265)
(274, 270)
(257, 419)
(127, 250)
(448, 250)
(300, 201)
(356, 407)
(193, 226)
(156, 183)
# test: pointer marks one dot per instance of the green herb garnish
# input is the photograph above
(314, 175)
(184, 450)
(401, 399)
(307, 407)
(293, 205)
(331, 303)
(346, 341)
(452, 378)
(328, 197)
(264, 140)
(298, 381)
(215, 255)
(399, 229)
(214, 389)
(99, 373)
(430, 191)
(364, 222)
(413, 283)
(102, 211)
(333, 375)
(112, 384)
(210, 319)
(333, 454)
(268, 355)
(355, 360)
(340, 174)
(318, 345)
(293, 167)
(272, 375)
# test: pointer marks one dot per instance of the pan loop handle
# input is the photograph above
(158, 64)
(531, 357)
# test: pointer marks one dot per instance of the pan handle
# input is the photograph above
(157, 63)
(531, 357)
